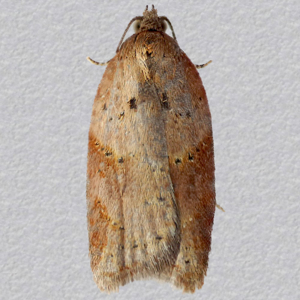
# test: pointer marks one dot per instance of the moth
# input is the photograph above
(150, 170)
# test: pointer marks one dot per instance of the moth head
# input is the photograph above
(150, 21)
(137, 25)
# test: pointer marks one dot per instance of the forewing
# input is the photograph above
(132, 214)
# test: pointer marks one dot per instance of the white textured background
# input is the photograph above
(47, 90)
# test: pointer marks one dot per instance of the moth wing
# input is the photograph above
(188, 131)
(191, 161)
(132, 215)
(150, 168)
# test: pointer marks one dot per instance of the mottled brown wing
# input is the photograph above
(150, 190)
(132, 213)
(191, 161)
(188, 132)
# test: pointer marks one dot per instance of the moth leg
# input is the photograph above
(203, 66)
(97, 63)
(220, 207)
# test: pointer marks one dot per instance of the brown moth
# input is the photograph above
(150, 173)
